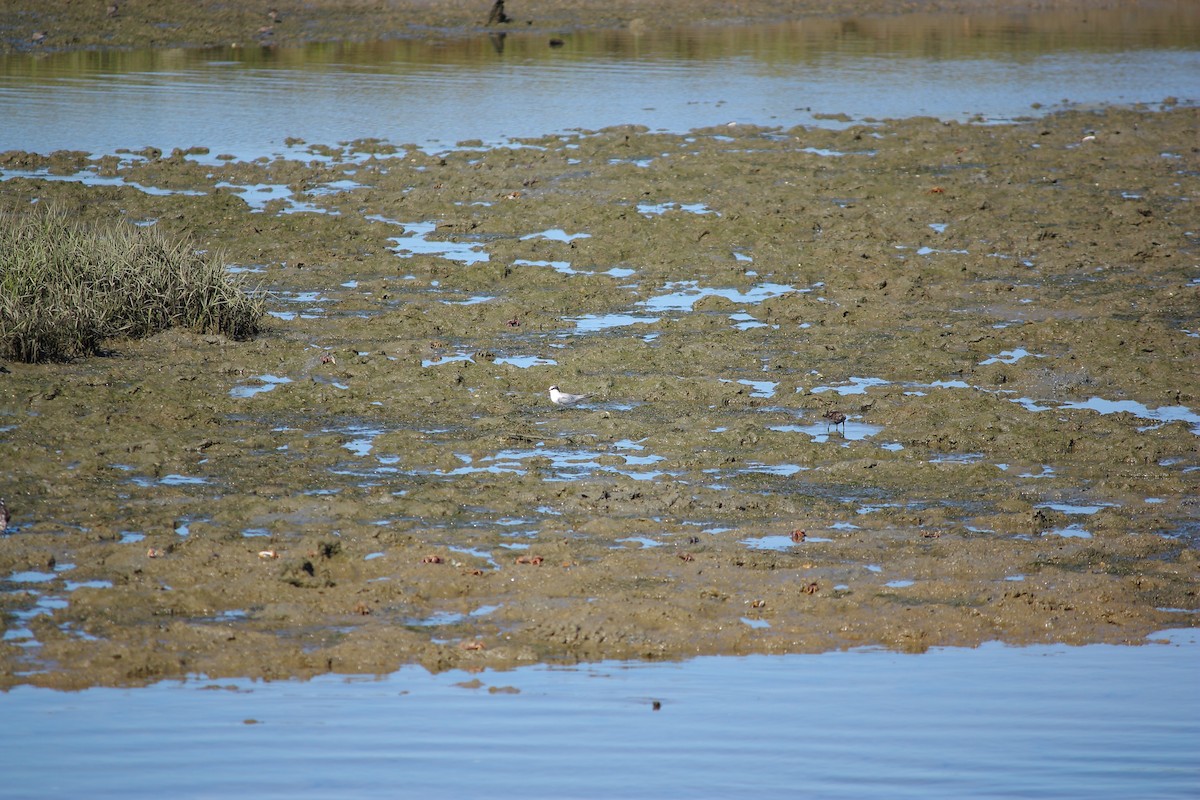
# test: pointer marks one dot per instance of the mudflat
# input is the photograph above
(49, 25)
(904, 383)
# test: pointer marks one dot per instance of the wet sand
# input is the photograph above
(1007, 316)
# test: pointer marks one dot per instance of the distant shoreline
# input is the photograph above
(38, 26)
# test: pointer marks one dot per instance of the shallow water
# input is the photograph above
(247, 102)
(1049, 722)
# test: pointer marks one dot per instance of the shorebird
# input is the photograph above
(3, 517)
(498, 14)
(835, 418)
(560, 398)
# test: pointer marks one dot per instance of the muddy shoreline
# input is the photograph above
(60, 25)
(1007, 316)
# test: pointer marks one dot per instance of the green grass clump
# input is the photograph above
(66, 286)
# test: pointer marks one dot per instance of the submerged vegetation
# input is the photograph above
(67, 286)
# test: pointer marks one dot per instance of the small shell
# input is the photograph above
(265, 554)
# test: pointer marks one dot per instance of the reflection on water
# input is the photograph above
(247, 102)
(1045, 721)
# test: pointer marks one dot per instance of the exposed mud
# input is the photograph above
(56, 25)
(1008, 316)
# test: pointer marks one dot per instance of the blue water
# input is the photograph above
(243, 103)
(1055, 721)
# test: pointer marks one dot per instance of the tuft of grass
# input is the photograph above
(66, 286)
